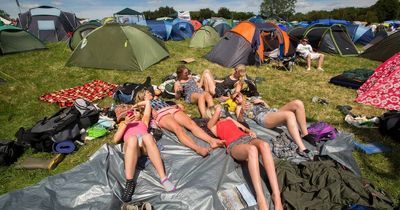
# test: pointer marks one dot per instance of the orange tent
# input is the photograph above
(196, 24)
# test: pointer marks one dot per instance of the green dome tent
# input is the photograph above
(81, 32)
(15, 40)
(115, 46)
(206, 36)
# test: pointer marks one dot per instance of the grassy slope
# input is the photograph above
(29, 75)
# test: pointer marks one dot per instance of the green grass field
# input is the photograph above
(32, 74)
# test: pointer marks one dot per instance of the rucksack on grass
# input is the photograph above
(65, 124)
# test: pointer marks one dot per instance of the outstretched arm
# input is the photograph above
(247, 130)
(214, 119)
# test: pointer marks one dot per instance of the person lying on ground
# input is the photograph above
(308, 54)
(137, 141)
(174, 119)
(187, 87)
(291, 114)
(243, 145)
(220, 88)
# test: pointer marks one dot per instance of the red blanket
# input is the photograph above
(94, 90)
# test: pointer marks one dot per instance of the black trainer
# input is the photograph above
(310, 138)
(129, 189)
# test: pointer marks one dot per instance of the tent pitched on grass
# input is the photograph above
(115, 46)
(360, 34)
(15, 40)
(48, 23)
(330, 39)
(206, 36)
(384, 49)
(382, 89)
(81, 32)
(130, 16)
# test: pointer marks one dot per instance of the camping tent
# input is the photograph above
(330, 39)
(181, 30)
(384, 49)
(329, 22)
(221, 26)
(81, 32)
(130, 16)
(206, 36)
(14, 40)
(115, 46)
(360, 34)
(5, 21)
(196, 24)
(48, 23)
(382, 89)
(246, 44)
(159, 28)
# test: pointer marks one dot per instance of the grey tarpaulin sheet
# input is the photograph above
(97, 183)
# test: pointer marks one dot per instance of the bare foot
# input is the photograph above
(203, 151)
(215, 143)
(262, 205)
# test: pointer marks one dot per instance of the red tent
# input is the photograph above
(196, 24)
(382, 89)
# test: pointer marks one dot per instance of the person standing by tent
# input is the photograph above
(174, 119)
(219, 88)
(291, 114)
(186, 86)
(243, 145)
(307, 53)
(137, 140)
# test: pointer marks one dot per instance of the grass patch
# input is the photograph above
(30, 75)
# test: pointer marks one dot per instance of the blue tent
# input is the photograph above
(395, 23)
(257, 19)
(329, 22)
(303, 24)
(181, 30)
(360, 34)
(159, 28)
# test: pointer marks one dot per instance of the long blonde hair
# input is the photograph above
(242, 73)
(140, 96)
(210, 111)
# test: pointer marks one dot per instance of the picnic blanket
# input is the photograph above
(97, 89)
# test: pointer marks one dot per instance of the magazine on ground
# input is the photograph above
(236, 198)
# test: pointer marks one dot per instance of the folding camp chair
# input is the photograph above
(278, 62)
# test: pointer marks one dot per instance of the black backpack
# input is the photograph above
(10, 151)
(126, 92)
(390, 124)
(251, 89)
(65, 124)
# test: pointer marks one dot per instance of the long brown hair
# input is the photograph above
(179, 70)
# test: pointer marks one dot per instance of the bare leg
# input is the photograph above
(297, 107)
(154, 154)
(132, 152)
(308, 58)
(184, 120)
(199, 98)
(321, 60)
(249, 153)
(269, 166)
(168, 122)
(273, 119)
(209, 99)
(207, 82)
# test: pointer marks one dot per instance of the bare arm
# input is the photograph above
(147, 113)
(178, 90)
(247, 130)
(214, 119)
(121, 129)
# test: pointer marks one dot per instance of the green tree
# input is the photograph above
(278, 8)
(224, 12)
(4, 14)
(387, 9)
(371, 17)
(206, 13)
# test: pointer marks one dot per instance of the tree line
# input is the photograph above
(198, 15)
(382, 10)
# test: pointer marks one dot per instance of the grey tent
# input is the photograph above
(14, 40)
(48, 23)
(330, 39)
(384, 49)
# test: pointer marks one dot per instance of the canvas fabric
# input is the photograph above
(382, 89)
